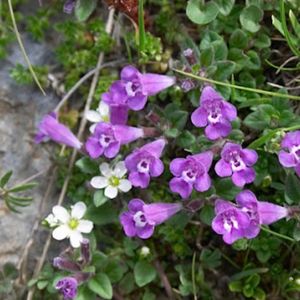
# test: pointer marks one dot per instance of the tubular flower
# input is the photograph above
(50, 128)
(134, 88)
(191, 172)
(107, 139)
(112, 180)
(289, 157)
(68, 287)
(144, 163)
(237, 162)
(141, 219)
(214, 113)
(71, 225)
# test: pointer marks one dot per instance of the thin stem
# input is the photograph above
(193, 276)
(282, 236)
(281, 67)
(244, 88)
(141, 27)
(23, 48)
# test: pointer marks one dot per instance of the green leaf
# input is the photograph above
(42, 284)
(220, 50)
(101, 285)
(247, 273)
(87, 165)
(186, 139)
(84, 8)
(5, 178)
(211, 258)
(206, 56)
(207, 214)
(144, 273)
(99, 198)
(225, 6)
(22, 187)
(201, 15)
(292, 189)
(85, 294)
(238, 39)
(250, 18)
(263, 139)
(224, 70)
(105, 214)
(262, 41)
(277, 24)
(226, 189)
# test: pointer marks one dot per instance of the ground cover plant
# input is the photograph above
(179, 168)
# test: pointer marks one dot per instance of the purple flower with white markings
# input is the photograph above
(134, 88)
(68, 287)
(191, 172)
(144, 163)
(107, 139)
(290, 156)
(141, 219)
(237, 162)
(229, 221)
(214, 113)
(50, 128)
(69, 6)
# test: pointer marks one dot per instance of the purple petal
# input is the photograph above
(222, 205)
(129, 73)
(270, 213)
(94, 148)
(135, 205)
(287, 159)
(155, 148)
(137, 102)
(291, 139)
(138, 179)
(145, 232)
(229, 111)
(208, 93)
(215, 131)
(156, 167)
(202, 183)
(199, 117)
(218, 224)
(249, 156)
(132, 160)
(127, 134)
(69, 6)
(223, 168)
(118, 114)
(252, 230)
(230, 147)
(154, 83)
(234, 235)
(178, 185)
(127, 222)
(240, 178)
(158, 213)
(205, 158)
(246, 198)
(40, 137)
(112, 149)
(177, 165)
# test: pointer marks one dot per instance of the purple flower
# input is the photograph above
(237, 162)
(107, 139)
(229, 221)
(69, 6)
(291, 157)
(63, 263)
(191, 172)
(141, 219)
(68, 287)
(144, 163)
(214, 113)
(134, 88)
(50, 128)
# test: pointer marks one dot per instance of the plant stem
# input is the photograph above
(244, 88)
(282, 236)
(141, 27)
(193, 276)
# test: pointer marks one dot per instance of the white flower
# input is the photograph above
(71, 225)
(101, 114)
(52, 221)
(112, 180)
(145, 251)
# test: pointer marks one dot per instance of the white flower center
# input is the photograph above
(296, 152)
(237, 164)
(229, 223)
(143, 166)
(139, 219)
(105, 140)
(214, 116)
(189, 175)
(132, 87)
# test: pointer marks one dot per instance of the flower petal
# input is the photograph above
(78, 210)
(156, 167)
(145, 232)
(242, 177)
(209, 93)
(118, 114)
(178, 185)
(287, 159)
(93, 116)
(246, 198)
(223, 169)
(199, 117)
(154, 83)
(111, 192)
(75, 239)
(85, 226)
(138, 179)
(61, 232)
(136, 205)
(103, 109)
(215, 131)
(99, 182)
(202, 183)
(205, 158)
(137, 102)
(155, 148)
(105, 170)
(61, 214)
(222, 205)
(128, 225)
(249, 156)
(270, 213)
(127, 134)
(125, 185)
(93, 147)
(112, 150)
(229, 111)
(120, 169)
(177, 165)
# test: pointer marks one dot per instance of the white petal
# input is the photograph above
(61, 213)
(125, 185)
(61, 232)
(75, 239)
(52, 221)
(111, 192)
(105, 170)
(85, 226)
(93, 116)
(78, 210)
(103, 109)
(93, 127)
(120, 169)
(99, 182)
